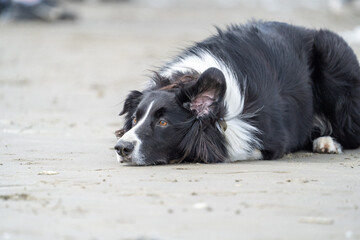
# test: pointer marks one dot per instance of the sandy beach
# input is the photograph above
(62, 86)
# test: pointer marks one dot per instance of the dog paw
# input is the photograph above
(326, 145)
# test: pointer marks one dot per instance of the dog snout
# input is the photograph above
(124, 148)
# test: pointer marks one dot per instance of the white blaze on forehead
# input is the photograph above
(130, 136)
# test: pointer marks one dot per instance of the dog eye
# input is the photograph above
(134, 120)
(163, 123)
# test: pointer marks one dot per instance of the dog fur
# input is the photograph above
(254, 91)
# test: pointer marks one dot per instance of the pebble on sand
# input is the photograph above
(48, 173)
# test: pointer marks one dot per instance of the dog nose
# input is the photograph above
(124, 148)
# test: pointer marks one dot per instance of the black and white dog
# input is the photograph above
(254, 91)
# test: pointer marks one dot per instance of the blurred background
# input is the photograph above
(65, 66)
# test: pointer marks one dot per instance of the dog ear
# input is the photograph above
(130, 105)
(205, 96)
(119, 133)
(131, 102)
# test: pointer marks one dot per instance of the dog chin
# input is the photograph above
(129, 161)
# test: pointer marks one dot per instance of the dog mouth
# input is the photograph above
(126, 159)
(121, 159)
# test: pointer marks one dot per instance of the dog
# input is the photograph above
(254, 91)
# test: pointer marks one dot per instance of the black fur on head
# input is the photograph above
(192, 136)
(202, 139)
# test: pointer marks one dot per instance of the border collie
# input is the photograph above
(253, 91)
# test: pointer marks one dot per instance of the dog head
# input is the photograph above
(174, 122)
